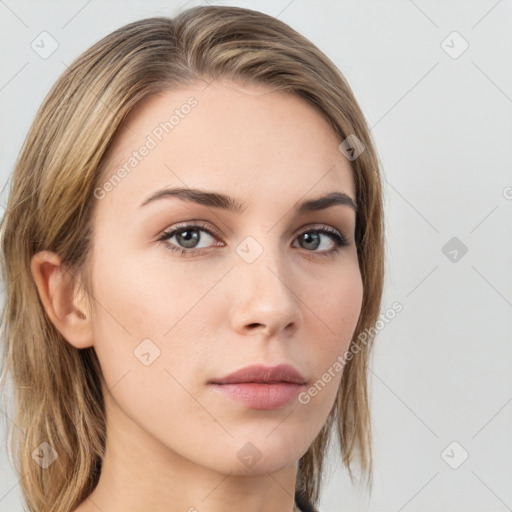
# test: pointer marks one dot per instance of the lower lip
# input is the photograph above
(260, 395)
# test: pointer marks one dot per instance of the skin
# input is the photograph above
(172, 440)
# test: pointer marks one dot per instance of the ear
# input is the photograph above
(57, 289)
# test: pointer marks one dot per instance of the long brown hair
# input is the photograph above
(56, 388)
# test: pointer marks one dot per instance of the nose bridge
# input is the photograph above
(262, 257)
(263, 289)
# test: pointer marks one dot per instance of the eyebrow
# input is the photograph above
(218, 200)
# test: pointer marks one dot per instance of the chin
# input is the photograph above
(260, 454)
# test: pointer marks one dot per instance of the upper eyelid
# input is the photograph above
(192, 224)
(207, 227)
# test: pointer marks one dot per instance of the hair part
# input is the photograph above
(51, 207)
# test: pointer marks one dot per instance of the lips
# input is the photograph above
(261, 387)
(282, 373)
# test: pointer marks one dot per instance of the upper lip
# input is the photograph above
(263, 374)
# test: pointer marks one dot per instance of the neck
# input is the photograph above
(139, 473)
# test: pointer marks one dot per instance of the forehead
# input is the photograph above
(244, 140)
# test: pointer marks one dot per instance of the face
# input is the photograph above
(263, 283)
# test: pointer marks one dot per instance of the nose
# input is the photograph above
(263, 300)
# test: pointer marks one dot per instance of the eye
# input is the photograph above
(188, 237)
(312, 239)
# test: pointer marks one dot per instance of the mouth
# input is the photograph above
(260, 387)
(282, 373)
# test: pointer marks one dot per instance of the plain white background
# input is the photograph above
(440, 113)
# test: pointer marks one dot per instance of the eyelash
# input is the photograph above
(339, 239)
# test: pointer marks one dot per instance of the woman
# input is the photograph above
(192, 243)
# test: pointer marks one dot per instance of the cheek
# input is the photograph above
(342, 302)
(335, 309)
(149, 331)
(337, 304)
(147, 304)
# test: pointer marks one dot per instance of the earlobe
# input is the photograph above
(57, 291)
